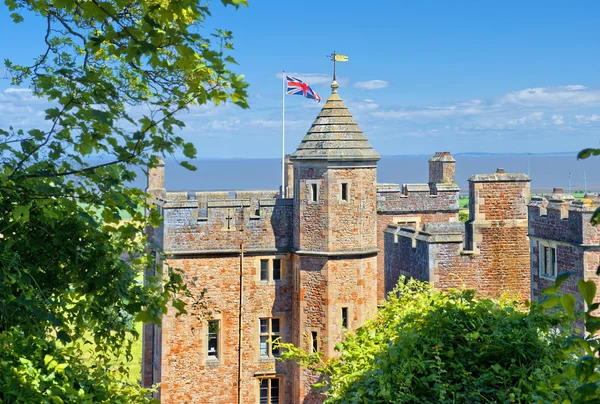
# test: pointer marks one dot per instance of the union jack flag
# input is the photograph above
(297, 86)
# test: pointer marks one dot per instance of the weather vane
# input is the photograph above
(335, 57)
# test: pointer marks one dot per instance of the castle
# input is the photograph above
(311, 262)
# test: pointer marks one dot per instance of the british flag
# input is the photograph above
(297, 86)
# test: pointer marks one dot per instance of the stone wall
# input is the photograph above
(411, 204)
(564, 225)
(332, 223)
(215, 222)
(326, 285)
(188, 376)
(489, 253)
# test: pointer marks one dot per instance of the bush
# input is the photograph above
(444, 347)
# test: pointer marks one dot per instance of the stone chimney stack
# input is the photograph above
(441, 168)
(289, 178)
(156, 180)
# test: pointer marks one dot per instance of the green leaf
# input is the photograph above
(16, 17)
(187, 165)
(587, 290)
(568, 303)
(21, 212)
(549, 302)
(585, 153)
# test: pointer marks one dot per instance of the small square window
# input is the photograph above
(264, 270)
(276, 269)
(344, 191)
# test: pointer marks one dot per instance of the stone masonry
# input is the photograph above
(489, 253)
(310, 262)
(562, 239)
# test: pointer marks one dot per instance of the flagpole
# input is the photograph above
(283, 134)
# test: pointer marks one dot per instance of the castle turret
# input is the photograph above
(335, 232)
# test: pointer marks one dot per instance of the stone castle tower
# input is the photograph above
(335, 231)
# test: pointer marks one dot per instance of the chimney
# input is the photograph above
(289, 178)
(441, 168)
(156, 179)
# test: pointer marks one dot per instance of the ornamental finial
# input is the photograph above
(334, 87)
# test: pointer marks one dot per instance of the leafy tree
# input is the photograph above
(432, 346)
(582, 375)
(115, 73)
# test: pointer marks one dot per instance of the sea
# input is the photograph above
(547, 171)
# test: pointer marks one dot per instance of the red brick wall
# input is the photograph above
(386, 282)
(186, 375)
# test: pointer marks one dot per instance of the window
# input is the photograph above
(264, 270)
(344, 191)
(276, 269)
(314, 192)
(270, 332)
(547, 260)
(213, 339)
(314, 341)
(345, 317)
(270, 269)
(269, 391)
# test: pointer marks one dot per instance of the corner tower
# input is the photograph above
(335, 234)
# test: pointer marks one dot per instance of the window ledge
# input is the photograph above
(548, 277)
(267, 359)
(213, 362)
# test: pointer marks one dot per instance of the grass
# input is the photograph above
(135, 366)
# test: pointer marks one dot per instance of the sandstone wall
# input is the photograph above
(215, 222)
(490, 253)
(188, 376)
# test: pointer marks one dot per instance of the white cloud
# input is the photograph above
(371, 84)
(563, 96)
(527, 119)
(361, 106)
(587, 119)
(431, 112)
(558, 119)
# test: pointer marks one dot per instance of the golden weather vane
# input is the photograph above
(336, 57)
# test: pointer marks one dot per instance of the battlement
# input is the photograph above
(561, 217)
(393, 198)
(204, 222)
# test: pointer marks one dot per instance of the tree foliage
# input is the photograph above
(115, 73)
(445, 347)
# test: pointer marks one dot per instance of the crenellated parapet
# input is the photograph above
(489, 253)
(421, 198)
(217, 222)
(562, 218)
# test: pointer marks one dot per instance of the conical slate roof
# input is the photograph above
(335, 135)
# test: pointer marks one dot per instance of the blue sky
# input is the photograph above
(463, 76)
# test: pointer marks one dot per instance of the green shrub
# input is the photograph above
(444, 347)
